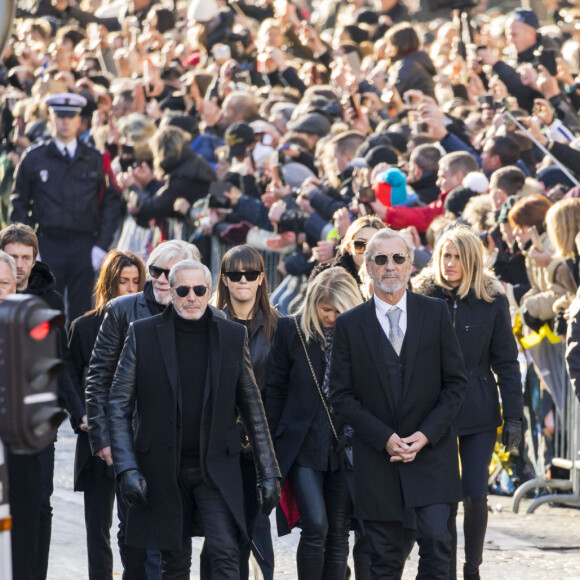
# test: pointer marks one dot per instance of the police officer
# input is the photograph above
(62, 190)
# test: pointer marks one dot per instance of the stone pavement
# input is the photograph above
(541, 546)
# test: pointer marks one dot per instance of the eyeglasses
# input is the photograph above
(382, 259)
(183, 291)
(156, 272)
(359, 247)
(249, 276)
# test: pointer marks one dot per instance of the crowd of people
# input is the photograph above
(307, 251)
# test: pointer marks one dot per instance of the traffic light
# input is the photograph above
(29, 412)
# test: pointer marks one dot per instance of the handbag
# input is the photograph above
(347, 450)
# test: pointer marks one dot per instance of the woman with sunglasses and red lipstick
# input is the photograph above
(242, 294)
(350, 253)
(480, 314)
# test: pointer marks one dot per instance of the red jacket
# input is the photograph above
(399, 217)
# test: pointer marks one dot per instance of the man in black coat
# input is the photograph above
(62, 189)
(119, 314)
(187, 373)
(398, 379)
(33, 519)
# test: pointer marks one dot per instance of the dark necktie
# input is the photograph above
(66, 155)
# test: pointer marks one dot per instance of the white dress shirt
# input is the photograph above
(72, 147)
(381, 309)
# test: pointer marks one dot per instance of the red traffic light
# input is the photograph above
(41, 331)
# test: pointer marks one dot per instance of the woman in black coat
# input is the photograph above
(242, 293)
(480, 314)
(310, 450)
(121, 273)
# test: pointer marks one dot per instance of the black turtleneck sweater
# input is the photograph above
(191, 337)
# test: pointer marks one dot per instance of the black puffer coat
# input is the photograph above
(488, 345)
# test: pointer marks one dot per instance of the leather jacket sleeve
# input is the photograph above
(121, 404)
(106, 352)
(252, 413)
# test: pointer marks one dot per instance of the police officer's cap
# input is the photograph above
(66, 104)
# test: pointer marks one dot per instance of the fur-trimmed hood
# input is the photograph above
(425, 283)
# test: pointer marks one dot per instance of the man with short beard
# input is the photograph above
(119, 314)
(398, 378)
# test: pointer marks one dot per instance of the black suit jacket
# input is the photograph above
(433, 390)
(147, 381)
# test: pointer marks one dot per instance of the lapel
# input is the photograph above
(314, 354)
(414, 322)
(215, 356)
(166, 335)
(371, 330)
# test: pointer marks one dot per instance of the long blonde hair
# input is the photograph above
(334, 286)
(471, 255)
(563, 224)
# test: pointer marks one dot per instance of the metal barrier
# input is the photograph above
(271, 260)
(566, 456)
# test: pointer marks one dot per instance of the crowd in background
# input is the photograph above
(302, 128)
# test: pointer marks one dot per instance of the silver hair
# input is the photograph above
(172, 249)
(387, 234)
(4, 257)
(189, 265)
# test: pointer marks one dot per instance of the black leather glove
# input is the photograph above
(512, 433)
(133, 488)
(268, 494)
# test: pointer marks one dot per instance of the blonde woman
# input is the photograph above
(310, 449)
(480, 315)
(563, 225)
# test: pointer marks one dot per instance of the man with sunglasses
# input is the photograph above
(119, 314)
(398, 378)
(177, 460)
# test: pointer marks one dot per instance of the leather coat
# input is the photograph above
(147, 380)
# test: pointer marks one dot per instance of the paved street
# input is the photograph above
(545, 545)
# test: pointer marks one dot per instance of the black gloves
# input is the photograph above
(133, 488)
(512, 433)
(268, 494)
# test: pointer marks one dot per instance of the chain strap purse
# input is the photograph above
(347, 450)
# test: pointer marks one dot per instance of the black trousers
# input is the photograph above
(46, 458)
(326, 511)
(69, 260)
(24, 491)
(475, 453)
(222, 535)
(99, 496)
(138, 564)
(386, 542)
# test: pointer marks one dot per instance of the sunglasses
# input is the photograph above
(359, 247)
(156, 272)
(183, 291)
(382, 259)
(249, 276)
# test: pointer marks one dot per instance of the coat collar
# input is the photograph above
(168, 347)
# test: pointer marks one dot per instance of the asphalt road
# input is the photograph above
(544, 545)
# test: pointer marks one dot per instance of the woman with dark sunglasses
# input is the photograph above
(122, 273)
(310, 441)
(242, 294)
(480, 314)
(350, 253)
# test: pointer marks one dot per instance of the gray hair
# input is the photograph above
(387, 234)
(189, 265)
(172, 249)
(4, 257)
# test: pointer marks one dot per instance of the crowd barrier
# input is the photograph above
(566, 456)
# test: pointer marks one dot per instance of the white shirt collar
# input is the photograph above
(383, 307)
(72, 147)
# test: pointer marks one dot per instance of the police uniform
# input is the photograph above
(64, 192)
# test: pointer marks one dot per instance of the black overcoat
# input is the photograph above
(433, 389)
(147, 381)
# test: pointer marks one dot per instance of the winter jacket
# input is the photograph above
(488, 345)
(415, 71)
(400, 217)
